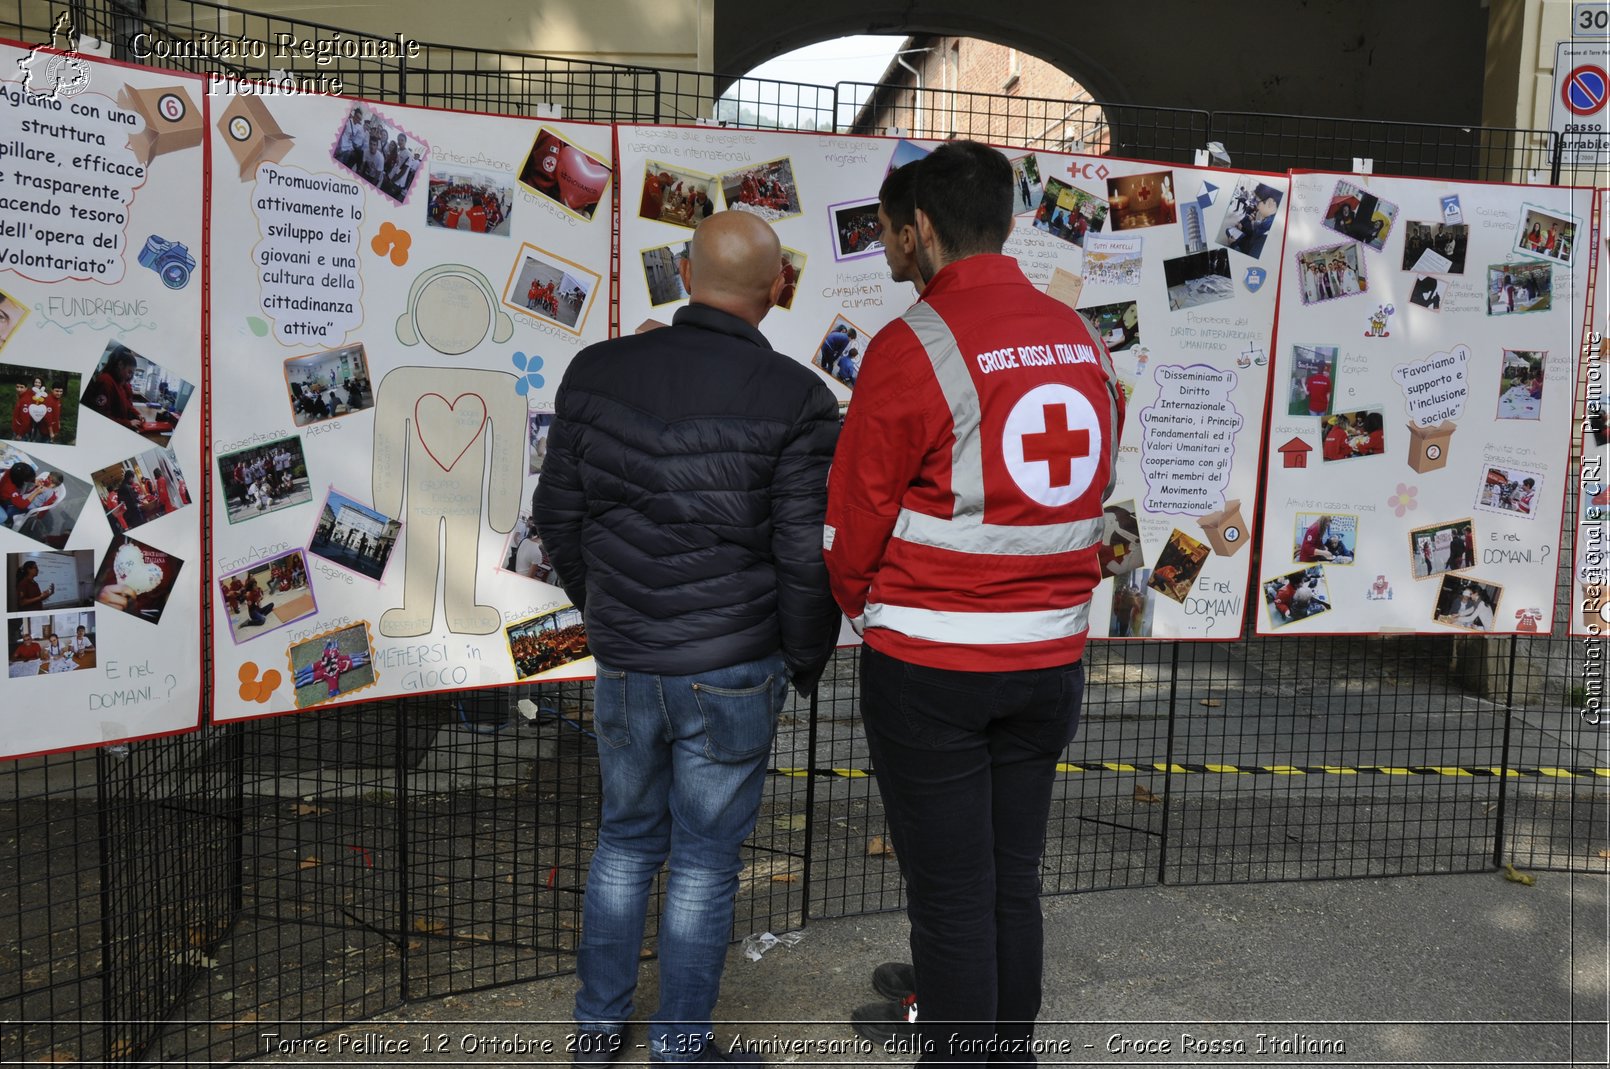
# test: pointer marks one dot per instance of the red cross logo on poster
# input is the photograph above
(1051, 443)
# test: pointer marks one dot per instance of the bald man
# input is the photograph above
(681, 505)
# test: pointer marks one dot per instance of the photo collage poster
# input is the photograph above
(1590, 605)
(100, 382)
(1176, 267)
(397, 294)
(1422, 405)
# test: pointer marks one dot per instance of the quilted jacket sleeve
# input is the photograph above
(561, 507)
(808, 617)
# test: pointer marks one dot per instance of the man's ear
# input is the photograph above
(684, 269)
(777, 285)
(923, 227)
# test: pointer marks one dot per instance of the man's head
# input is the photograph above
(963, 204)
(1266, 201)
(735, 264)
(895, 216)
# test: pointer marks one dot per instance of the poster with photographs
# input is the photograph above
(100, 365)
(383, 335)
(1189, 326)
(1588, 531)
(1427, 354)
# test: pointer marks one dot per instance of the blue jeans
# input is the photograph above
(965, 763)
(683, 760)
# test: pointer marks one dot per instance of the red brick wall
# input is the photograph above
(982, 90)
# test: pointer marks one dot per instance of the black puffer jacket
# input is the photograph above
(682, 496)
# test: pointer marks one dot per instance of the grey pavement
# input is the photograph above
(1413, 971)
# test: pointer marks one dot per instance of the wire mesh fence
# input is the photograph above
(169, 899)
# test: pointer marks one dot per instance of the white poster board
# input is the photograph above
(1421, 407)
(396, 293)
(1175, 265)
(100, 384)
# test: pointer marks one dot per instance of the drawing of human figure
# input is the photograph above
(431, 430)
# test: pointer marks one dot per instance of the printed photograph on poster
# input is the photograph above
(1250, 216)
(353, 536)
(676, 195)
(766, 189)
(904, 152)
(546, 642)
(838, 355)
(1139, 200)
(12, 313)
(1520, 384)
(475, 202)
(1197, 279)
(1330, 272)
(793, 270)
(856, 230)
(1324, 538)
(332, 665)
(43, 404)
(1069, 213)
(1510, 491)
(378, 152)
(329, 384)
(1296, 595)
(538, 425)
(572, 178)
(662, 271)
(1313, 371)
(523, 553)
(1193, 227)
(137, 393)
(267, 595)
(1349, 435)
(1435, 248)
(50, 644)
(1132, 605)
(45, 581)
(1178, 565)
(1356, 213)
(1427, 292)
(1515, 288)
(548, 286)
(1117, 324)
(266, 478)
(1026, 179)
(1547, 234)
(137, 579)
(1467, 603)
(1442, 547)
(1113, 259)
(142, 488)
(1120, 551)
(39, 502)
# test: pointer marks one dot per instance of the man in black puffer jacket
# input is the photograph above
(681, 503)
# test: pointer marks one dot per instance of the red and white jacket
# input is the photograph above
(964, 509)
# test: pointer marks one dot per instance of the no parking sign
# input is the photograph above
(1580, 114)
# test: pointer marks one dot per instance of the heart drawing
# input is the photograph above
(446, 430)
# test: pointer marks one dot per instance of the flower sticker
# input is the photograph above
(529, 366)
(253, 689)
(1403, 499)
(394, 240)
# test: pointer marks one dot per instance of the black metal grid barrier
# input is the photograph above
(174, 899)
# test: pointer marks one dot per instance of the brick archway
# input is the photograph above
(1329, 57)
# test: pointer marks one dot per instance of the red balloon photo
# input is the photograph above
(565, 174)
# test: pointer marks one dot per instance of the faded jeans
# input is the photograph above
(683, 761)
